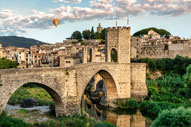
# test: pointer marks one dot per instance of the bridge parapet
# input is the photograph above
(66, 85)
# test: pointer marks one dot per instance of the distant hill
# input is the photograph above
(162, 32)
(19, 41)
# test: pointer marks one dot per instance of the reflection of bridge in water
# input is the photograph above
(66, 85)
(95, 111)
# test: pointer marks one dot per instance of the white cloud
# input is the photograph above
(68, 1)
(12, 23)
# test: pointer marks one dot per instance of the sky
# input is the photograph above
(33, 18)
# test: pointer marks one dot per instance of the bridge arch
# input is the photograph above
(55, 95)
(109, 82)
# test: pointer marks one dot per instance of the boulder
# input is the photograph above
(30, 102)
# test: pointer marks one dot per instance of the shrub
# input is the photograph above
(6, 63)
(174, 118)
(166, 106)
(104, 124)
(132, 103)
(7, 121)
(75, 121)
(127, 103)
(150, 107)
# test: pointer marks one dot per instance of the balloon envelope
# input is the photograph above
(55, 22)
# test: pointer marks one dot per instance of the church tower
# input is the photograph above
(99, 28)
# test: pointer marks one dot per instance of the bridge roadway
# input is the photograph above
(66, 84)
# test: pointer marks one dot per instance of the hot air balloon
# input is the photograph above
(55, 22)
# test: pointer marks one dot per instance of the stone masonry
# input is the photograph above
(66, 85)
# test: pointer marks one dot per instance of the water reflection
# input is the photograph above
(115, 117)
(94, 102)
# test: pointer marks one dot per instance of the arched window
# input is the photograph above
(114, 55)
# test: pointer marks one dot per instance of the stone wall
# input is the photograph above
(118, 39)
(56, 81)
(67, 85)
(158, 50)
(138, 82)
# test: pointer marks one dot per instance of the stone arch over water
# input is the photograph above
(17, 84)
(109, 82)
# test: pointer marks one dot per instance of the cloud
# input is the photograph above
(68, 1)
(12, 23)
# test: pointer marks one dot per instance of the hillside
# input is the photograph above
(162, 32)
(19, 41)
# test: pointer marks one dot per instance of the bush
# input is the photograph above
(127, 103)
(6, 63)
(174, 118)
(177, 65)
(104, 124)
(7, 121)
(132, 103)
(150, 107)
(75, 121)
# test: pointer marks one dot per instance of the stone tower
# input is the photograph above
(118, 39)
(99, 28)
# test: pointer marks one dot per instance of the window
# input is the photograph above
(68, 62)
(114, 55)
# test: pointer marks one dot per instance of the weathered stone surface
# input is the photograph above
(66, 85)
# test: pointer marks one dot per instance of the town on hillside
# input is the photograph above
(71, 52)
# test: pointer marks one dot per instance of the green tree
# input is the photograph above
(6, 63)
(162, 32)
(187, 77)
(76, 35)
(86, 34)
(92, 33)
(98, 35)
(103, 34)
(173, 118)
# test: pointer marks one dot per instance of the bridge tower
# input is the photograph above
(118, 50)
(118, 42)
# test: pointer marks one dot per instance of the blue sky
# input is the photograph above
(33, 18)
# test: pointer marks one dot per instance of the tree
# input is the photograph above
(98, 35)
(92, 33)
(76, 35)
(86, 34)
(173, 118)
(187, 77)
(162, 32)
(103, 34)
(6, 63)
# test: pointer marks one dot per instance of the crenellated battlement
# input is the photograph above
(119, 28)
(118, 38)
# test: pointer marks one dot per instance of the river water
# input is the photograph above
(30, 115)
(121, 118)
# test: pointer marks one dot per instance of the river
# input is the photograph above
(121, 118)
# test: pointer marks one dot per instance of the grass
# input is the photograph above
(38, 93)
(72, 121)
(23, 111)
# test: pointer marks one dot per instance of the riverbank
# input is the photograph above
(73, 121)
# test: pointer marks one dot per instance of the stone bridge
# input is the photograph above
(66, 85)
